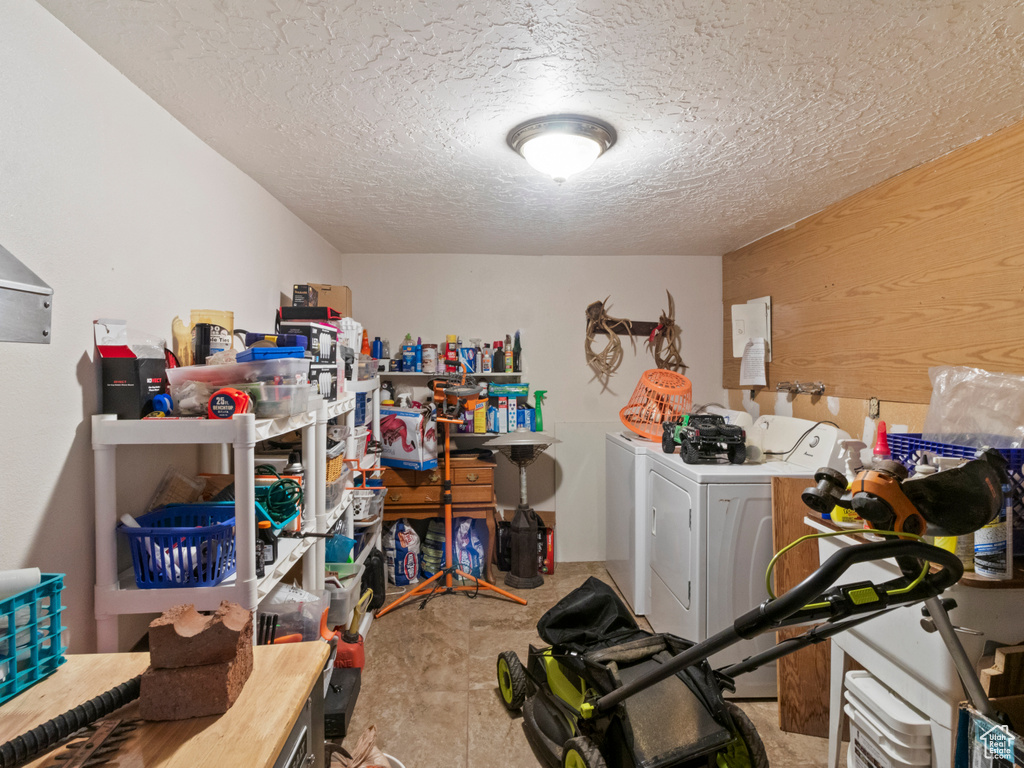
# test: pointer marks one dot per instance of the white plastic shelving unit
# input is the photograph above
(117, 594)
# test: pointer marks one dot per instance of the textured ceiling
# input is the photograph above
(382, 124)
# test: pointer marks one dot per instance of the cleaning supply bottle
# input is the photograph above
(418, 354)
(485, 359)
(377, 348)
(850, 454)
(517, 354)
(508, 353)
(993, 544)
(498, 365)
(539, 396)
(881, 450)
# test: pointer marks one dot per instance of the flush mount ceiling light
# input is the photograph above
(561, 145)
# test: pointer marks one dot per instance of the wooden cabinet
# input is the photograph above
(418, 494)
(472, 484)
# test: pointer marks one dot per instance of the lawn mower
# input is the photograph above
(607, 694)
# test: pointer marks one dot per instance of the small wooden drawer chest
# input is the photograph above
(417, 494)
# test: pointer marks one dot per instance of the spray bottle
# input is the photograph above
(850, 453)
(539, 396)
(508, 353)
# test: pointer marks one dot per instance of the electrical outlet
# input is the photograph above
(873, 408)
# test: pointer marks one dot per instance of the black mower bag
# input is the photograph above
(680, 719)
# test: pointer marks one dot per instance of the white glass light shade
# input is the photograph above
(561, 145)
(560, 155)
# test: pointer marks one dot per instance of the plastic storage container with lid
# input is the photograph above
(885, 731)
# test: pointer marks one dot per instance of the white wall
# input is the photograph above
(546, 297)
(126, 214)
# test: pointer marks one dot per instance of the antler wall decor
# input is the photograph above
(608, 360)
(662, 340)
(666, 337)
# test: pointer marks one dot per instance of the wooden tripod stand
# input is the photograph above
(450, 569)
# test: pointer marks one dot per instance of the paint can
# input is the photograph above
(430, 358)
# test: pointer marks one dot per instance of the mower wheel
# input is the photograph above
(511, 681)
(747, 749)
(582, 752)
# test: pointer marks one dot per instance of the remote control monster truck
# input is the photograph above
(704, 437)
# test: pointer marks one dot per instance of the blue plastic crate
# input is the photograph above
(361, 413)
(183, 545)
(268, 353)
(31, 645)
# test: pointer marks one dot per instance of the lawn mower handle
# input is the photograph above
(792, 608)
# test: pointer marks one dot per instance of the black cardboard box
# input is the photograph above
(323, 339)
(304, 296)
(130, 383)
(324, 379)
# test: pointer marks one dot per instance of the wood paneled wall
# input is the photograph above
(926, 268)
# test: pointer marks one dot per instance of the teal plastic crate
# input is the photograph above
(31, 646)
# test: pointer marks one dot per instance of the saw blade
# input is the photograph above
(96, 744)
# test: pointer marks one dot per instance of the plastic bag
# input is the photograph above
(432, 559)
(402, 547)
(973, 407)
(469, 551)
(365, 754)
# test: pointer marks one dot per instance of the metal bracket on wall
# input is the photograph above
(26, 302)
(797, 388)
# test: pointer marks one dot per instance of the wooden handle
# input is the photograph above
(395, 497)
(472, 477)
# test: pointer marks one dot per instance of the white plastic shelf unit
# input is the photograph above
(372, 388)
(117, 594)
(313, 568)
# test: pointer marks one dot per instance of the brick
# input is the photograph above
(182, 637)
(184, 692)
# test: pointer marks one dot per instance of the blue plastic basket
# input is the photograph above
(30, 636)
(183, 545)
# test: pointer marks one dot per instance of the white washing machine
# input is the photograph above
(709, 536)
(626, 525)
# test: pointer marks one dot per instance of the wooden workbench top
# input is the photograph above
(250, 734)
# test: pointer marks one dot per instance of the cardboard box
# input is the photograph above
(129, 383)
(546, 542)
(324, 380)
(337, 297)
(408, 438)
(323, 338)
(304, 296)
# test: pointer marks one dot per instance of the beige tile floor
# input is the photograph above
(429, 683)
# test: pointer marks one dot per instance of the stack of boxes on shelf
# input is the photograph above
(320, 312)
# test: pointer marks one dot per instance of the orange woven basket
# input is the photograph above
(659, 396)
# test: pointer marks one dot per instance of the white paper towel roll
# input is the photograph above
(13, 582)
